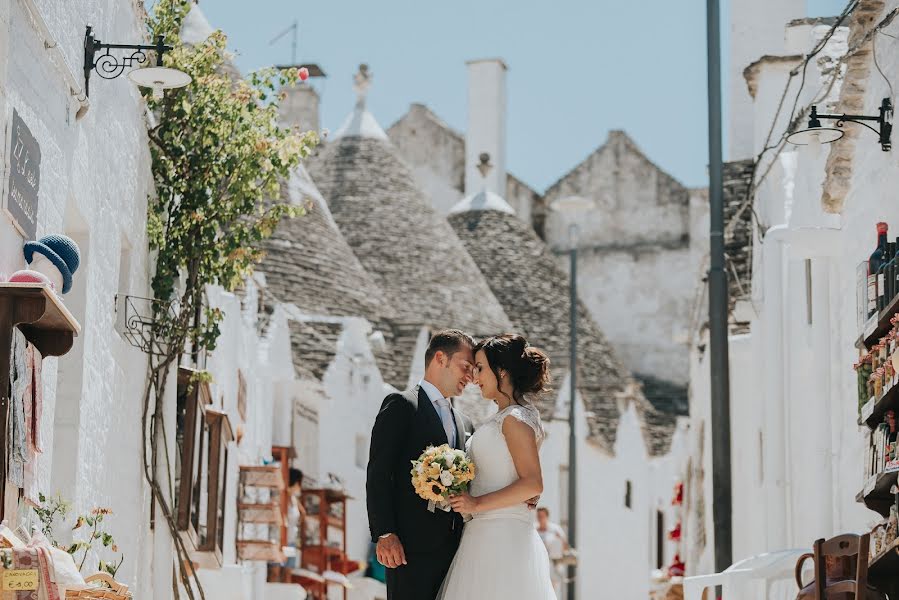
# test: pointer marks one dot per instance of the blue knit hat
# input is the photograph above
(62, 252)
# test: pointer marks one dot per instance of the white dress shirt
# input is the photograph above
(447, 418)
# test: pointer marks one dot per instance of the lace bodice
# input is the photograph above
(490, 453)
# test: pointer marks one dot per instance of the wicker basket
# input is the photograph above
(113, 590)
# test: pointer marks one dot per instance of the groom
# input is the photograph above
(416, 545)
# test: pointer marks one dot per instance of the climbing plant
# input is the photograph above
(218, 158)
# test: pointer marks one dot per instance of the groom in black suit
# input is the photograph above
(416, 545)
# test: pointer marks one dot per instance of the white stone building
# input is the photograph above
(631, 243)
(94, 183)
(95, 179)
(340, 312)
(798, 451)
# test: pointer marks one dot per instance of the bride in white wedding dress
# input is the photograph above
(501, 556)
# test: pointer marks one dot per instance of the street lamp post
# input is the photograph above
(572, 405)
(718, 308)
(573, 209)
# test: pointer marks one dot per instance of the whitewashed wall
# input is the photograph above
(95, 180)
(616, 544)
(793, 394)
(631, 245)
(333, 421)
(265, 360)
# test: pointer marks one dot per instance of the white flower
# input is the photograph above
(449, 457)
(419, 468)
(446, 478)
(460, 454)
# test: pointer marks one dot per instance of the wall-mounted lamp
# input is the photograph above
(158, 78)
(816, 134)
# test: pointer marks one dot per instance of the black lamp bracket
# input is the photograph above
(109, 66)
(884, 121)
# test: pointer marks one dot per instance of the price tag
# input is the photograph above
(869, 485)
(19, 579)
(868, 409)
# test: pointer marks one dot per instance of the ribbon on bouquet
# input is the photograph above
(442, 505)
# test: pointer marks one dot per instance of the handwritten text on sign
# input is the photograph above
(20, 579)
(24, 177)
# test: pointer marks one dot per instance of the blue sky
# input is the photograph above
(577, 68)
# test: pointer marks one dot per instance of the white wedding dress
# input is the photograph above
(501, 556)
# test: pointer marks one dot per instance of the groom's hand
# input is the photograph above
(390, 551)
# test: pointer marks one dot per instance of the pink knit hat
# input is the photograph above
(29, 276)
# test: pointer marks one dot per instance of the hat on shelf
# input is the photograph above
(61, 250)
(29, 276)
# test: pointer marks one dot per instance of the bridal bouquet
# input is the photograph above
(440, 472)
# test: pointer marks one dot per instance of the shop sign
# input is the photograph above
(24, 177)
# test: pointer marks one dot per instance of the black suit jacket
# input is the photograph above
(407, 424)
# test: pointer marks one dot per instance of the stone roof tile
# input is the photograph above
(314, 346)
(533, 290)
(411, 252)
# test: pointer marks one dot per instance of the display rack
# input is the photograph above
(260, 521)
(324, 542)
(877, 492)
(49, 326)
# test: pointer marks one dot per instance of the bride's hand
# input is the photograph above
(464, 503)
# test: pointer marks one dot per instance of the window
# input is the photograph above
(627, 493)
(361, 450)
(211, 533)
(660, 539)
(202, 437)
(124, 286)
(563, 496)
(124, 268)
(808, 290)
(761, 458)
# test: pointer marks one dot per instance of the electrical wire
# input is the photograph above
(780, 143)
(877, 65)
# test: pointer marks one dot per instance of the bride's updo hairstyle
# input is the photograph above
(527, 366)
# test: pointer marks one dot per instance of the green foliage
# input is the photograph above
(92, 536)
(219, 157)
(49, 511)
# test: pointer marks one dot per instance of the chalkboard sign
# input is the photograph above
(24, 177)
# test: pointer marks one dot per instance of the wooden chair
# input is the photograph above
(836, 577)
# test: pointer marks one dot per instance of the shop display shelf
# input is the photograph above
(874, 409)
(878, 325)
(886, 563)
(876, 494)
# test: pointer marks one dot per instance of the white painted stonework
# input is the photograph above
(634, 260)
(797, 451)
(94, 183)
(616, 544)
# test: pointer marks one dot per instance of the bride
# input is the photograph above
(501, 556)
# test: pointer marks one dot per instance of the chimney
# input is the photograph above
(486, 132)
(300, 104)
(300, 107)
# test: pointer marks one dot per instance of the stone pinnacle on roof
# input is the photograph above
(361, 123)
(484, 199)
(409, 249)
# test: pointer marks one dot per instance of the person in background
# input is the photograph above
(296, 512)
(556, 544)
